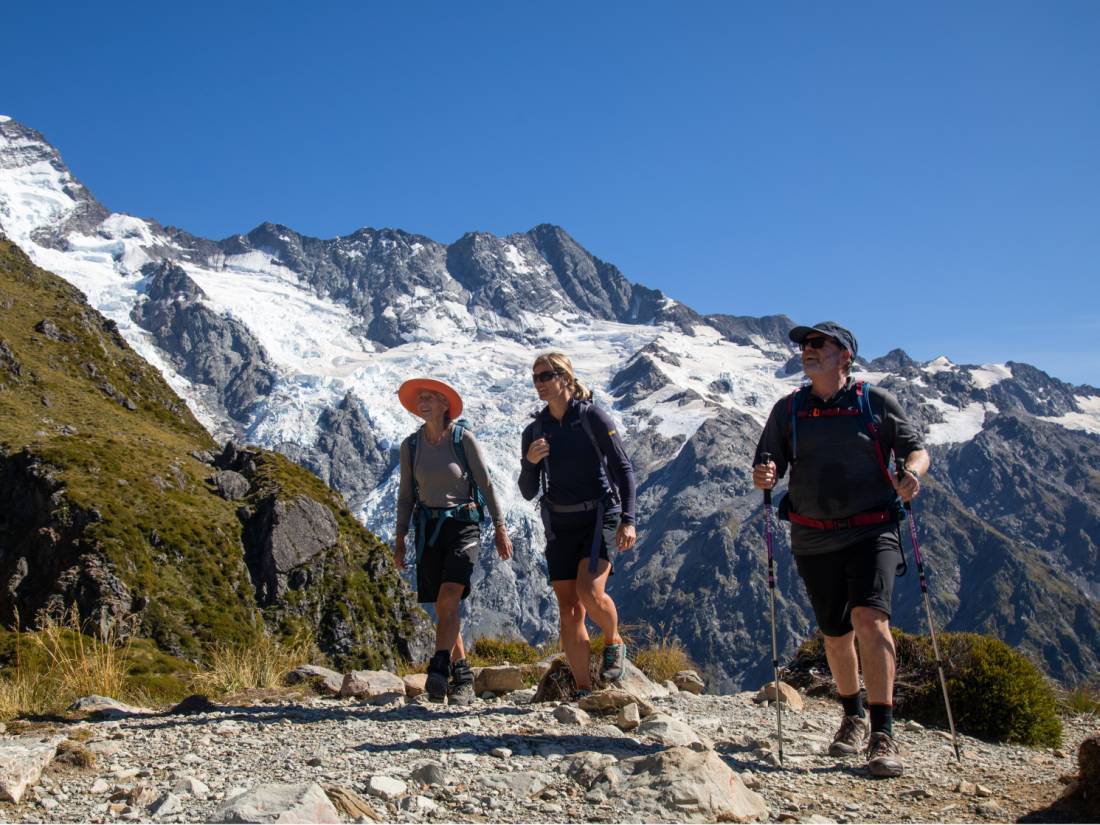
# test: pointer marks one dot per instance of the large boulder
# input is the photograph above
(281, 538)
(305, 802)
(690, 681)
(697, 784)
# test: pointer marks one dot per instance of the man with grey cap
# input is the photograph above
(836, 434)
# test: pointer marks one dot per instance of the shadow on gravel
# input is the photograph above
(741, 758)
(270, 714)
(483, 743)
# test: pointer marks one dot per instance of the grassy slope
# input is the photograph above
(173, 542)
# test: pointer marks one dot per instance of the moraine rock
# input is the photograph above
(787, 695)
(628, 717)
(571, 715)
(387, 787)
(611, 700)
(519, 783)
(669, 732)
(376, 686)
(230, 485)
(429, 773)
(321, 679)
(415, 684)
(696, 784)
(22, 761)
(105, 707)
(587, 767)
(166, 805)
(498, 679)
(689, 680)
(305, 802)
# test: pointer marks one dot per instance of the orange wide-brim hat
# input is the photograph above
(407, 392)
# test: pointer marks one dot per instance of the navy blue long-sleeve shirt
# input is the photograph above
(576, 471)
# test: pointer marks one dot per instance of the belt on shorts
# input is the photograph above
(597, 505)
(462, 512)
(858, 520)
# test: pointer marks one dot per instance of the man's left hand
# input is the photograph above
(907, 486)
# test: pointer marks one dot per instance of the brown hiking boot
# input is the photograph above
(883, 757)
(851, 738)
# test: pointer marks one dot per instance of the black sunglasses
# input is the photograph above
(544, 376)
(816, 342)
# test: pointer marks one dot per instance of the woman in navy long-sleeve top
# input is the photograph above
(569, 451)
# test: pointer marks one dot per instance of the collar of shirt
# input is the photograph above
(838, 399)
(572, 411)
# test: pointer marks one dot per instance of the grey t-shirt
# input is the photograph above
(439, 477)
(837, 474)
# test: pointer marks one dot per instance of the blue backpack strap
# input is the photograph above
(457, 429)
(863, 399)
(794, 401)
(586, 425)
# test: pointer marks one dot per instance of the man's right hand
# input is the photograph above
(399, 552)
(539, 449)
(763, 476)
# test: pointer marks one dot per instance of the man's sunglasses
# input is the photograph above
(816, 342)
(544, 376)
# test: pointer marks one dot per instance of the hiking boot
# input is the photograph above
(461, 689)
(851, 737)
(883, 757)
(438, 668)
(614, 662)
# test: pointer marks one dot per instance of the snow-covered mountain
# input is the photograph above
(299, 344)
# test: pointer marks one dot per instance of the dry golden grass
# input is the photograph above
(58, 664)
(233, 668)
(662, 661)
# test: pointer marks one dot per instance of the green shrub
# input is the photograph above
(488, 651)
(996, 692)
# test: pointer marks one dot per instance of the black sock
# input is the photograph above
(882, 719)
(441, 661)
(853, 705)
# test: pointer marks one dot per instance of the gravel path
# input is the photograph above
(507, 761)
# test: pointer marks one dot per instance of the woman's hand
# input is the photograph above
(538, 450)
(399, 552)
(503, 543)
(626, 536)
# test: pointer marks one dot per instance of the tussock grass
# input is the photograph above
(663, 660)
(1080, 700)
(233, 668)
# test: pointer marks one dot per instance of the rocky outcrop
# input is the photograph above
(213, 350)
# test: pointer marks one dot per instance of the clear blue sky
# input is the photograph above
(927, 172)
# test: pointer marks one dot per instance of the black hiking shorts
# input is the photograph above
(572, 542)
(861, 575)
(450, 559)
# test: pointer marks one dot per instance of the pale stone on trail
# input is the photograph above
(106, 707)
(167, 805)
(611, 699)
(628, 717)
(498, 679)
(305, 802)
(689, 680)
(414, 684)
(637, 684)
(386, 787)
(324, 681)
(787, 695)
(697, 784)
(520, 783)
(570, 715)
(669, 731)
(373, 685)
(22, 761)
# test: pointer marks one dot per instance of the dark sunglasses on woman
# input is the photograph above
(544, 376)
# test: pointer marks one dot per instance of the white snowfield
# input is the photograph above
(311, 340)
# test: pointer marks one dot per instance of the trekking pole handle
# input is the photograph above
(766, 458)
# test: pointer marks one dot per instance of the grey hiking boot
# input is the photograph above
(614, 662)
(438, 669)
(883, 757)
(461, 689)
(851, 738)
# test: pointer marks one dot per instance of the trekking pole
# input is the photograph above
(765, 458)
(928, 610)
